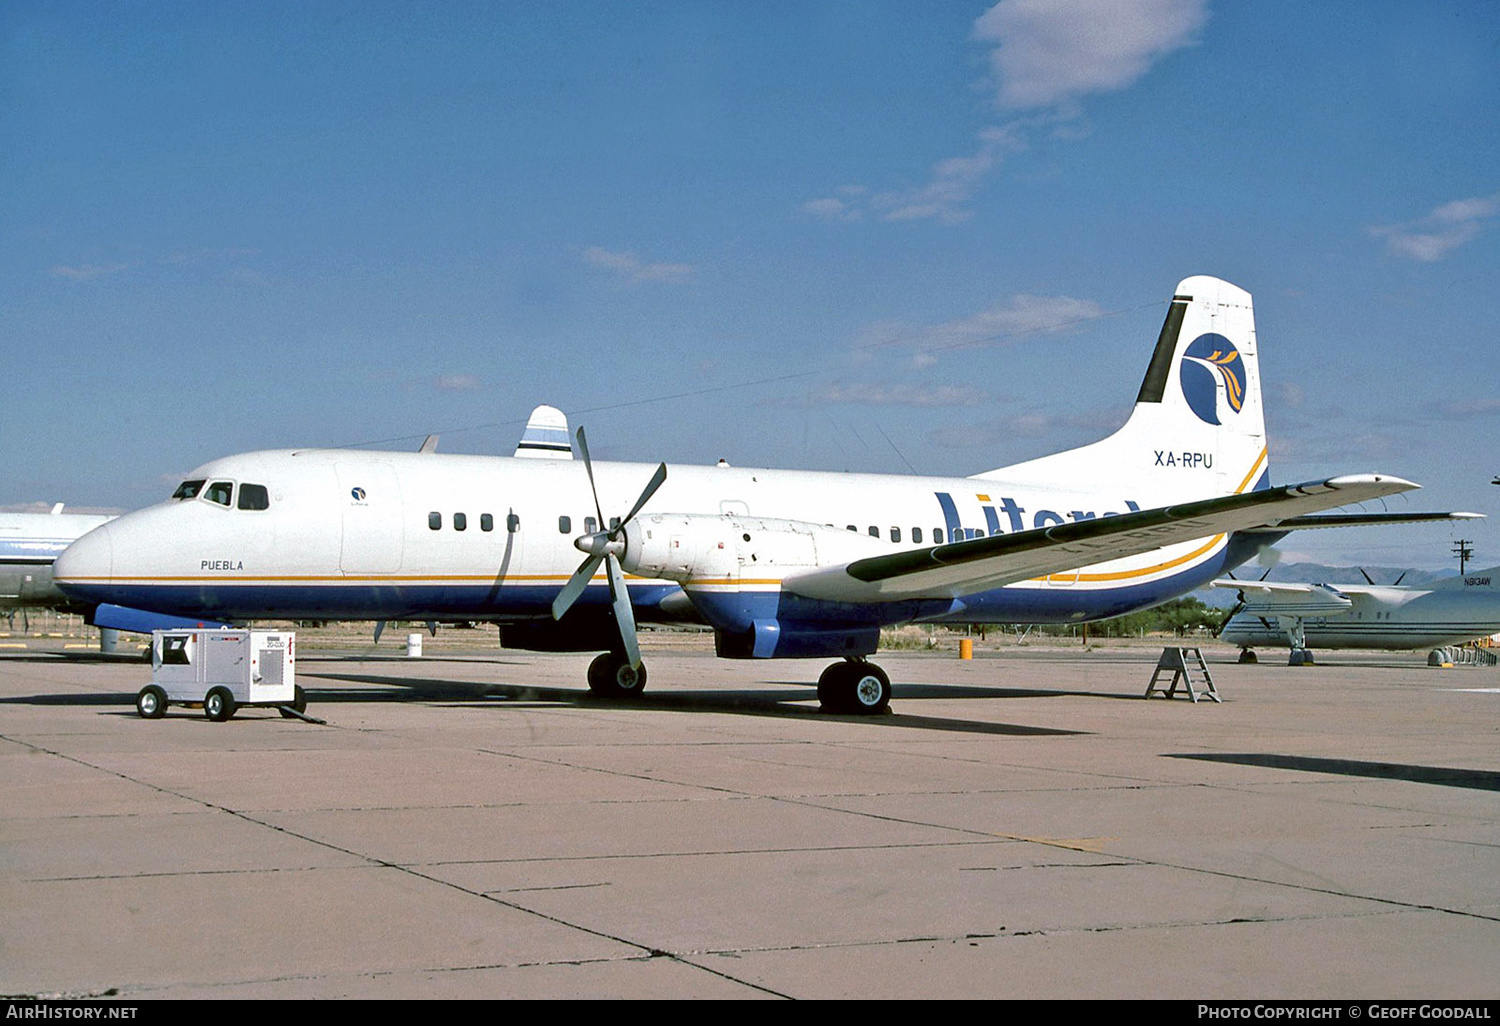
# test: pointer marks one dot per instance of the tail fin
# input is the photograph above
(546, 436)
(1198, 427)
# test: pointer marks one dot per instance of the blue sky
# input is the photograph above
(858, 236)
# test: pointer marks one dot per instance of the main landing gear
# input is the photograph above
(855, 686)
(612, 676)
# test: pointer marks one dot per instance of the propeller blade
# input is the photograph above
(624, 615)
(1368, 579)
(588, 465)
(575, 585)
(1237, 607)
(1399, 579)
(604, 547)
(657, 479)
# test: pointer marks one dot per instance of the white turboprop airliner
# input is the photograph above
(1306, 616)
(29, 544)
(780, 563)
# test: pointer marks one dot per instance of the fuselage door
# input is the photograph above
(371, 508)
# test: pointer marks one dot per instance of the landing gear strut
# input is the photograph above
(855, 686)
(612, 676)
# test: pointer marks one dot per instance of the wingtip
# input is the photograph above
(1391, 481)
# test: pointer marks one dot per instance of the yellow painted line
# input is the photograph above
(1169, 564)
(13, 644)
(1259, 462)
(1092, 845)
(77, 645)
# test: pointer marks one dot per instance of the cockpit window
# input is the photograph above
(188, 489)
(254, 496)
(220, 492)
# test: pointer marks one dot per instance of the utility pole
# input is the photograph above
(1462, 550)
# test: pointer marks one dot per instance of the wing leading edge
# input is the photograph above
(965, 567)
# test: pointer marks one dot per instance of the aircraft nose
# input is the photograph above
(89, 560)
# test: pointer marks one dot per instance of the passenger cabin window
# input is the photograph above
(460, 522)
(916, 535)
(435, 521)
(188, 489)
(564, 525)
(895, 534)
(219, 492)
(486, 522)
(512, 523)
(853, 528)
(254, 496)
(937, 535)
(589, 525)
(874, 531)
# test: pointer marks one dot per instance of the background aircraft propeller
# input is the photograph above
(606, 547)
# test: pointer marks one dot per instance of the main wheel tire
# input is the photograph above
(151, 703)
(612, 676)
(855, 687)
(832, 691)
(218, 705)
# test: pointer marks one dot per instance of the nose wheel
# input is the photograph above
(855, 686)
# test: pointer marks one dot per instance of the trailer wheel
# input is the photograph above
(218, 705)
(151, 703)
(298, 703)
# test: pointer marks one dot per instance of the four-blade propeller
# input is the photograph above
(607, 547)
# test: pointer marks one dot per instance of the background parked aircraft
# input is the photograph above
(1308, 616)
(29, 544)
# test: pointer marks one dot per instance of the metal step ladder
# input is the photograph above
(1188, 669)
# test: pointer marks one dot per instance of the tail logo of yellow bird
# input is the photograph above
(1212, 367)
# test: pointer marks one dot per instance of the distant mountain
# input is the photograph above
(1317, 573)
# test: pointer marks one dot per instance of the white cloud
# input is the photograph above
(1020, 315)
(832, 209)
(1433, 237)
(1047, 55)
(633, 268)
(1050, 53)
(953, 182)
(86, 272)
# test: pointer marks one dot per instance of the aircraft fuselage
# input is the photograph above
(382, 535)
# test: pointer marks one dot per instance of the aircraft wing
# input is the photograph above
(1359, 520)
(1274, 598)
(978, 564)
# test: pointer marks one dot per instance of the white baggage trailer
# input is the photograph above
(222, 670)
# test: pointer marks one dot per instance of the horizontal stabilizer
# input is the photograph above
(965, 567)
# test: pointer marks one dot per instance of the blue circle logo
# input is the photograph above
(358, 493)
(1210, 360)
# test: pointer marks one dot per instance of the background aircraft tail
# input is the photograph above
(1198, 427)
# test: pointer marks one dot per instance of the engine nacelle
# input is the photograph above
(707, 549)
(731, 567)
